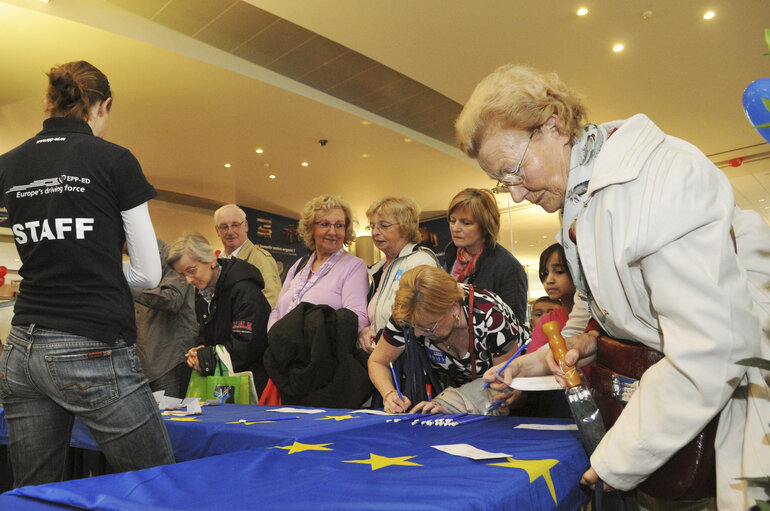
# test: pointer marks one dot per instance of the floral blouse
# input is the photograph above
(495, 332)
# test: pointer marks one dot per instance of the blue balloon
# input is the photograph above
(756, 109)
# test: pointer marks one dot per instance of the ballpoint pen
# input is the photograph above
(508, 362)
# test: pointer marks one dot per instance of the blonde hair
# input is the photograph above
(193, 244)
(404, 210)
(483, 207)
(518, 97)
(241, 213)
(317, 207)
(425, 291)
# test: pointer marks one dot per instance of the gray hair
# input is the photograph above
(221, 210)
(193, 244)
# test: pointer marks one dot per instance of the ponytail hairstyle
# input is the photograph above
(75, 87)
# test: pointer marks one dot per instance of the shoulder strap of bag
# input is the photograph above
(470, 331)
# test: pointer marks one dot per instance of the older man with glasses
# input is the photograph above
(232, 228)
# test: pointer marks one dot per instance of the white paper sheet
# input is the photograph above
(548, 427)
(468, 451)
(535, 383)
(287, 409)
(375, 412)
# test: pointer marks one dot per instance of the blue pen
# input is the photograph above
(395, 381)
(509, 360)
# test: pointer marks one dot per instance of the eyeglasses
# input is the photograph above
(513, 177)
(327, 225)
(382, 226)
(233, 226)
(190, 271)
(429, 330)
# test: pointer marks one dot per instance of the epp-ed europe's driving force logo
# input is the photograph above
(59, 184)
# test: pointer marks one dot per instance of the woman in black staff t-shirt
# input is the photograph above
(72, 200)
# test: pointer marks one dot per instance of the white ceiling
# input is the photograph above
(185, 108)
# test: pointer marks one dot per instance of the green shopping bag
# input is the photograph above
(220, 386)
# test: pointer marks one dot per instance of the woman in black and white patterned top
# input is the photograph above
(442, 314)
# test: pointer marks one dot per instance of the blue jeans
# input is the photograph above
(47, 378)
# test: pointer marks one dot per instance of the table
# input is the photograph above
(345, 461)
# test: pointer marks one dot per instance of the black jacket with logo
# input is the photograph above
(236, 318)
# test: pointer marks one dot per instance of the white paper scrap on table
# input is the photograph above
(535, 383)
(548, 427)
(169, 403)
(468, 451)
(158, 395)
(375, 412)
(193, 407)
(287, 409)
(186, 401)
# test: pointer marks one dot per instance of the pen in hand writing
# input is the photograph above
(508, 362)
(395, 381)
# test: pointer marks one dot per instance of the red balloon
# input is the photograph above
(217, 253)
(3, 271)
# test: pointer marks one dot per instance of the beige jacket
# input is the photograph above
(265, 263)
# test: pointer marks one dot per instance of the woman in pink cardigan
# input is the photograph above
(330, 276)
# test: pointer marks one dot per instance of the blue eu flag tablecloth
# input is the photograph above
(324, 462)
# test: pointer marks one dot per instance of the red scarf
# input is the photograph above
(465, 264)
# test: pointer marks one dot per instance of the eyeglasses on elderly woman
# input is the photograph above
(382, 226)
(429, 329)
(513, 177)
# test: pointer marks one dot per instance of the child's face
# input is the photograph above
(557, 282)
(539, 310)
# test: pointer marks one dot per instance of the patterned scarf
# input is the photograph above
(465, 264)
(305, 281)
(581, 167)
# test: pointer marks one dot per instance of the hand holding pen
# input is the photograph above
(496, 375)
(393, 401)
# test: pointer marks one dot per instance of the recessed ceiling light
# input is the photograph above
(582, 11)
(260, 151)
(364, 155)
(407, 140)
(761, 200)
(227, 165)
(618, 48)
(266, 165)
(271, 176)
(304, 164)
(709, 15)
(365, 123)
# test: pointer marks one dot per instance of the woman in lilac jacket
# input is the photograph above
(330, 276)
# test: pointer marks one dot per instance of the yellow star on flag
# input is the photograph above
(535, 469)
(377, 461)
(182, 419)
(337, 417)
(299, 447)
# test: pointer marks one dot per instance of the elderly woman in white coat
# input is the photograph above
(395, 226)
(660, 255)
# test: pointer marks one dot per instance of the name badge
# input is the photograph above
(436, 356)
